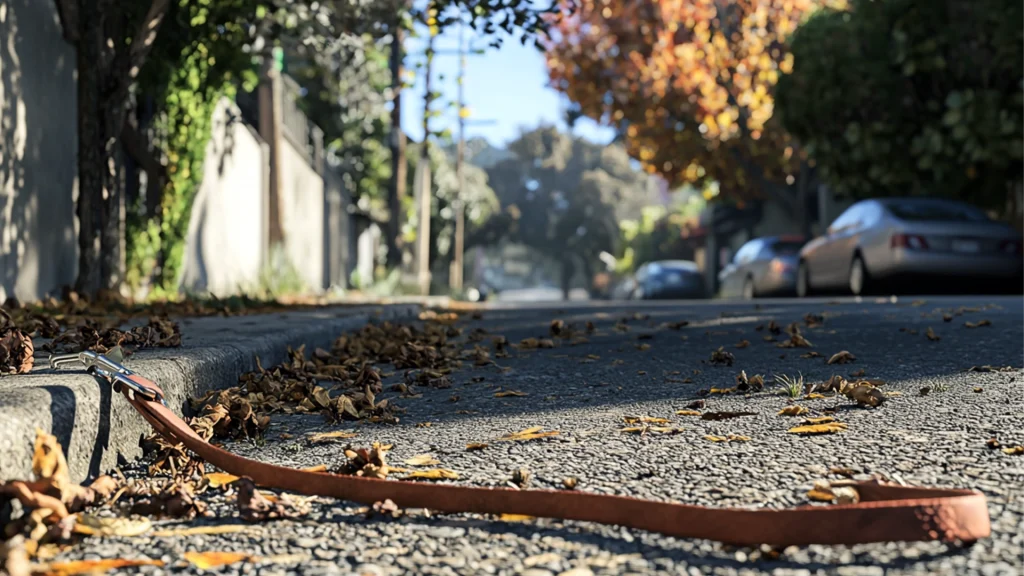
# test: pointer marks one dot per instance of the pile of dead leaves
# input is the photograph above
(863, 392)
(49, 503)
(16, 349)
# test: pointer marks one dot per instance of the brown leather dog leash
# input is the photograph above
(885, 512)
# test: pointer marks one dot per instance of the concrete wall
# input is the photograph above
(302, 215)
(226, 241)
(38, 149)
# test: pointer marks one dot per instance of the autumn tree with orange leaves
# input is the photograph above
(689, 84)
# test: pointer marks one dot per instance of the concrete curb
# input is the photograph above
(98, 430)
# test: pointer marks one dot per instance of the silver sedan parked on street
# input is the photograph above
(762, 267)
(933, 241)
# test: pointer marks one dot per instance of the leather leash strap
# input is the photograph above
(885, 513)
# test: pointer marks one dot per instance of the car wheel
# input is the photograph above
(803, 280)
(859, 279)
(748, 289)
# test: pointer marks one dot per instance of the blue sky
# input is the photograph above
(506, 85)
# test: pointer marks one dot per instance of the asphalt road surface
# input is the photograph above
(931, 431)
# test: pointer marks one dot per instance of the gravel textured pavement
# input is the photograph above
(932, 437)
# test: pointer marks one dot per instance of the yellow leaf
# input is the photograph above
(644, 420)
(106, 526)
(814, 396)
(1014, 450)
(207, 560)
(507, 393)
(687, 413)
(218, 479)
(729, 438)
(204, 530)
(433, 474)
(515, 518)
(722, 390)
(317, 468)
(793, 410)
(422, 460)
(813, 429)
(529, 434)
(95, 566)
(326, 436)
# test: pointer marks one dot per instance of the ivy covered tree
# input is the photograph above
(689, 83)
(116, 43)
(912, 97)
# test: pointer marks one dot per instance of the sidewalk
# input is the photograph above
(99, 430)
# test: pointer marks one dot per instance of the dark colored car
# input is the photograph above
(668, 280)
(763, 267)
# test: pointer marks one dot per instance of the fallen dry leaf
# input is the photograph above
(729, 438)
(90, 525)
(814, 396)
(433, 474)
(515, 517)
(208, 560)
(529, 434)
(218, 479)
(687, 413)
(977, 324)
(422, 460)
(322, 437)
(857, 374)
(203, 530)
(931, 335)
(814, 429)
(570, 483)
(753, 383)
(743, 344)
(95, 566)
(254, 507)
(721, 357)
(1014, 450)
(824, 491)
(508, 393)
(644, 420)
(843, 357)
(475, 446)
(793, 410)
(725, 415)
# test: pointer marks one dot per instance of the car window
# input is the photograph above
(847, 218)
(932, 211)
(783, 248)
(747, 252)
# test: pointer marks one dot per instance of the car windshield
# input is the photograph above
(787, 248)
(936, 212)
(673, 277)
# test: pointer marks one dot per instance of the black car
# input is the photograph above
(668, 280)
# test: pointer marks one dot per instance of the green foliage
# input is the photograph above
(911, 97)
(562, 196)
(279, 277)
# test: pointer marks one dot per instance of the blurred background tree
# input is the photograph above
(690, 83)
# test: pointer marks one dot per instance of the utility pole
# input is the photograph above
(423, 233)
(458, 264)
(396, 189)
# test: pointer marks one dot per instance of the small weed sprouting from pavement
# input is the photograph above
(791, 387)
(940, 388)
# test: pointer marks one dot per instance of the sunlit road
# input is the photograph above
(640, 361)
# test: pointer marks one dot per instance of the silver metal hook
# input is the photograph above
(113, 372)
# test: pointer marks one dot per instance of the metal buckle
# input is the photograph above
(113, 372)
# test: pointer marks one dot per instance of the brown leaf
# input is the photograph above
(254, 507)
(521, 477)
(721, 357)
(977, 324)
(1014, 450)
(433, 474)
(743, 344)
(16, 351)
(865, 394)
(644, 420)
(729, 438)
(475, 446)
(753, 383)
(857, 373)
(931, 335)
(793, 410)
(91, 525)
(687, 413)
(843, 357)
(715, 416)
(509, 393)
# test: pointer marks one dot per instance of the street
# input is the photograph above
(639, 361)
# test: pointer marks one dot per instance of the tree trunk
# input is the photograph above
(567, 271)
(396, 190)
(90, 153)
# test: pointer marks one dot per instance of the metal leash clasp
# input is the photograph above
(100, 365)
